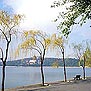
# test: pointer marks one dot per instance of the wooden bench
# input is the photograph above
(77, 77)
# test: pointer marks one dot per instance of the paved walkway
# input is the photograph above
(74, 85)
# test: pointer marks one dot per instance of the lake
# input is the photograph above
(20, 76)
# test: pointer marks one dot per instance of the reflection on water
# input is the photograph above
(20, 76)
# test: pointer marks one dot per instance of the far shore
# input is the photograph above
(70, 85)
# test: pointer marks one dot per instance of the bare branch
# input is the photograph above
(40, 43)
(2, 54)
(4, 34)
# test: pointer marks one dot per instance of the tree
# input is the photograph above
(39, 41)
(80, 53)
(8, 24)
(55, 64)
(58, 41)
(75, 12)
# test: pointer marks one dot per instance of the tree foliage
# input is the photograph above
(77, 12)
(57, 41)
(35, 40)
(88, 55)
(8, 23)
(78, 50)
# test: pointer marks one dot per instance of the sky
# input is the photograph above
(40, 16)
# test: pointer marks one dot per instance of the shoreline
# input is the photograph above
(50, 66)
(78, 85)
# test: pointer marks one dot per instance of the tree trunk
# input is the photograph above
(42, 74)
(84, 68)
(4, 64)
(65, 79)
(3, 75)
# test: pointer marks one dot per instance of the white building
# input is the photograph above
(32, 61)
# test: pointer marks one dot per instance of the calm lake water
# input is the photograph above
(20, 76)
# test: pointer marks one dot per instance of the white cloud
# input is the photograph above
(39, 14)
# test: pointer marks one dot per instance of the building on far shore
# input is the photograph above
(32, 61)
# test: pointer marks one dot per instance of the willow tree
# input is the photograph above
(55, 64)
(58, 41)
(75, 12)
(8, 24)
(39, 41)
(80, 53)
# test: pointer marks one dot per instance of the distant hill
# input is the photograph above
(70, 62)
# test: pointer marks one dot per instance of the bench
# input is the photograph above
(77, 77)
